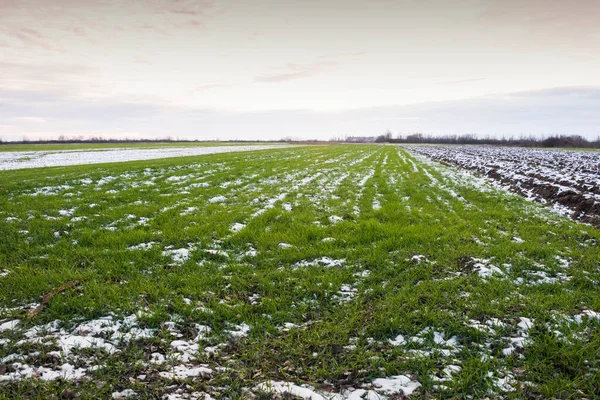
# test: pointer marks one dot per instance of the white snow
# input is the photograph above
(485, 269)
(289, 389)
(70, 342)
(382, 387)
(9, 326)
(236, 227)
(525, 324)
(142, 246)
(376, 205)
(184, 372)
(398, 341)
(157, 358)
(323, 261)
(24, 371)
(239, 331)
(396, 384)
(181, 395)
(38, 159)
(199, 185)
(125, 394)
(217, 199)
(346, 294)
(178, 255)
(188, 211)
(215, 252)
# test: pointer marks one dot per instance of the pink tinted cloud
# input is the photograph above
(182, 7)
(24, 37)
(557, 21)
(80, 16)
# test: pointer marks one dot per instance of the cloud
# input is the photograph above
(399, 118)
(462, 81)
(286, 76)
(568, 110)
(142, 60)
(54, 69)
(54, 22)
(183, 7)
(209, 86)
(34, 120)
(296, 71)
(60, 106)
(561, 92)
(27, 37)
(43, 77)
(560, 23)
(352, 54)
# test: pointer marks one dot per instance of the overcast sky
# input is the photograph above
(266, 69)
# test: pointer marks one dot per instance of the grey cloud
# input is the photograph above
(569, 91)
(534, 112)
(60, 106)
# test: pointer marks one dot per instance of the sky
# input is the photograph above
(310, 69)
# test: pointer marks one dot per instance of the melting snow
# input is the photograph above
(125, 394)
(184, 372)
(217, 199)
(323, 261)
(37, 159)
(178, 255)
(396, 384)
(237, 227)
(10, 325)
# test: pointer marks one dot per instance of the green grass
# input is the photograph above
(343, 316)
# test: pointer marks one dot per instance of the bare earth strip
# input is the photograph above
(568, 181)
(39, 159)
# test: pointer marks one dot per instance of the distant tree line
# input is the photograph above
(521, 141)
(575, 141)
(99, 139)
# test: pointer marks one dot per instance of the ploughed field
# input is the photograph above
(565, 179)
(331, 272)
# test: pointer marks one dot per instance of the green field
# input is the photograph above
(361, 271)
(102, 146)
